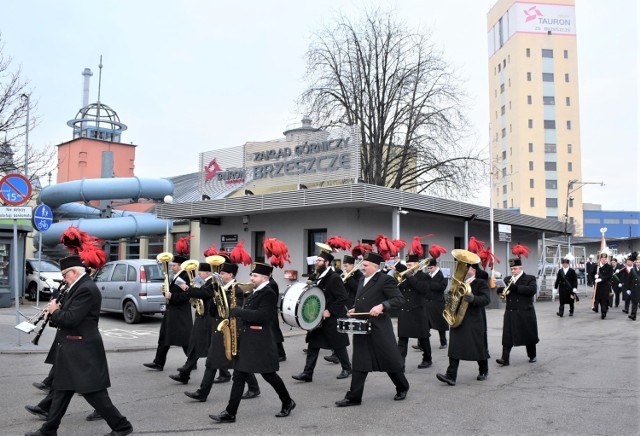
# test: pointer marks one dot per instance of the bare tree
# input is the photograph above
(397, 89)
(13, 120)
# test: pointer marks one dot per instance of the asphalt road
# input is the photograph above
(586, 381)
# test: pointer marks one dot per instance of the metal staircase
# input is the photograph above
(549, 263)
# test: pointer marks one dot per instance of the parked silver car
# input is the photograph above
(131, 287)
(44, 277)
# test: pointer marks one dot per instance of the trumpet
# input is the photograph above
(505, 291)
(399, 276)
(165, 258)
(191, 266)
(346, 275)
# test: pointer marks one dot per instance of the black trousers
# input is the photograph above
(312, 359)
(359, 377)
(443, 337)
(99, 400)
(452, 370)
(210, 375)
(531, 352)
(49, 378)
(240, 378)
(617, 291)
(561, 308)
(403, 345)
(163, 350)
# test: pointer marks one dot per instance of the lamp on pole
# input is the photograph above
(168, 199)
(571, 187)
(26, 145)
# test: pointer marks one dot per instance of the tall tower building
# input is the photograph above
(534, 116)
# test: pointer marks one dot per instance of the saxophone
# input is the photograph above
(191, 266)
(456, 306)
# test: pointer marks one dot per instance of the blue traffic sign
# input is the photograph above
(15, 189)
(42, 218)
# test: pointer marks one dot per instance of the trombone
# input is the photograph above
(346, 275)
(399, 276)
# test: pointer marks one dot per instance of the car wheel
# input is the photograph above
(31, 291)
(131, 314)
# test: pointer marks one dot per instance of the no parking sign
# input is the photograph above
(15, 189)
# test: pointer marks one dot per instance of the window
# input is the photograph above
(509, 104)
(569, 125)
(552, 202)
(509, 82)
(499, 67)
(504, 63)
(569, 148)
(133, 249)
(546, 53)
(530, 123)
(528, 76)
(504, 155)
(549, 124)
(504, 204)
(611, 221)
(531, 147)
(504, 172)
(570, 166)
(510, 129)
(504, 132)
(548, 100)
(119, 273)
(502, 88)
(457, 243)
(528, 52)
(502, 110)
(258, 247)
(547, 77)
(550, 166)
(550, 148)
(566, 77)
(531, 184)
(131, 274)
(592, 220)
(629, 221)
(504, 189)
(530, 165)
(566, 54)
(532, 202)
(551, 184)
(529, 99)
(567, 101)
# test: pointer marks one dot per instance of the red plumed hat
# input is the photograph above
(399, 243)
(239, 255)
(435, 251)
(93, 256)
(475, 246)
(182, 246)
(385, 247)
(416, 246)
(520, 250)
(339, 243)
(211, 251)
(487, 258)
(86, 246)
(361, 249)
(277, 252)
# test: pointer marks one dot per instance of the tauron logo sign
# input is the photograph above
(532, 13)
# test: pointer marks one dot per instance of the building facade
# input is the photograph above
(534, 116)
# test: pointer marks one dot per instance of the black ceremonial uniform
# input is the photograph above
(603, 287)
(617, 283)
(278, 337)
(520, 325)
(434, 298)
(633, 285)
(413, 321)
(565, 284)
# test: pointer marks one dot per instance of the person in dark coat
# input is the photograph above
(602, 285)
(177, 322)
(79, 357)
(566, 285)
(377, 351)
(633, 285)
(413, 321)
(590, 268)
(278, 337)
(257, 350)
(468, 341)
(326, 335)
(434, 301)
(617, 282)
(202, 325)
(520, 326)
(352, 282)
(624, 274)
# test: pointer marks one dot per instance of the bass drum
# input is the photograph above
(302, 306)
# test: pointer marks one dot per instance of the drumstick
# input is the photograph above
(359, 314)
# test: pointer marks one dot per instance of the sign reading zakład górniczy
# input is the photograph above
(314, 158)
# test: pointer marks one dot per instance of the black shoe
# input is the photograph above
(632, 317)
(400, 395)
(603, 315)
(443, 346)
(181, 378)
(532, 360)
(594, 309)
(38, 411)
(446, 379)
(197, 395)
(282, 358)
(94, 416)
(302, 377)
(417, 347)
(222, 379)
(482, 376)
(343, 374)
(223, 418)
(34, 433)
(570, 313)
(345, 402)
(120, 432)
(154, 365)
(185, 369)
(425, 364)
(304, 350)
(623, 310)
(559, 314)
(502, 362)
(333, 358)
(42, 386)
(286, 410)
(250, 394)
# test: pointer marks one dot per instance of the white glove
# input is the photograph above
(628, 292)
(555, 291)
(598, 280)
(597, 276)
(575, 290)
(620, 285)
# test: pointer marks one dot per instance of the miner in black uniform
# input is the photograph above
(617, 282)
(352, 282)
(202, 325)
(468, 341)
(602, 287)
(413, 321)
(377, 351)
(520, 325)
(633, 285)
(327, 335)
(177, 321)
(624, 275)
(257, 350)
(567, 285)
(590, 270)
(434, 302)
(79, 357)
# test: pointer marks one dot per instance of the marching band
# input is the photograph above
(234, 325)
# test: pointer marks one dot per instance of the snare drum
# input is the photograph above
(302, 306)
(355, 326)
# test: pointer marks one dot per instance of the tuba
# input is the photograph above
(165, 258)
(456, 307)
(191, 266)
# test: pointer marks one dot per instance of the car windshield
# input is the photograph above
(45, 266)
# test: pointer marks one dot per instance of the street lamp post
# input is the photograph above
(26, 145)
(571, 187)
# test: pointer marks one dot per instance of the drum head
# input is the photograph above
(302, 306)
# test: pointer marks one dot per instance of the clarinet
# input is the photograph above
(64, 287)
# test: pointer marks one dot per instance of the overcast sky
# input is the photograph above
(192, 76)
